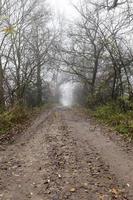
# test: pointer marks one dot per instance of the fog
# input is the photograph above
(64, 8)
(67, 94)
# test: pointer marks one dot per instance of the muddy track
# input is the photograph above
(64, 156)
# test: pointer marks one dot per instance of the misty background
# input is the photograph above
(68, 52)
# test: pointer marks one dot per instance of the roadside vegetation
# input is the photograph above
(100, 56)
(18, 117)
(27, 40)
(38, 55)
(117, 114)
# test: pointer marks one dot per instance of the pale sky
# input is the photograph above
(64, 7)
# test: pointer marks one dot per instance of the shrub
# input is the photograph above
(113, 115)
(106, 111)
(124, 104)
(16, 115)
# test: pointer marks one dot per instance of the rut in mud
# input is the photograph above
(64, 155)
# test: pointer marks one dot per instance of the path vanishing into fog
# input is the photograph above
(66, 155)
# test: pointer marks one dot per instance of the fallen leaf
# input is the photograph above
(101, 197)
(114, 191)
(72, 190)
(59, 175)
(128, 185)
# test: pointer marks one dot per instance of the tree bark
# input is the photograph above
(39, 85)
(2, 100)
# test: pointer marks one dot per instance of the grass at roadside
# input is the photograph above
(18, 116)
(114, 116)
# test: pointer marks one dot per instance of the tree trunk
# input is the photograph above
(2, 99)
(39, 85)
(94, 75)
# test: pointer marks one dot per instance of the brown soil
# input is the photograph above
(65, 155)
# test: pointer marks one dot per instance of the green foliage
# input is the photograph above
(124, 104)
(104, 112)
(114, 115)
(16, 115)
(99, 98)
(94, 100)
(122, 129)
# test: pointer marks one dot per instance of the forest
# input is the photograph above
(39, 53)
(66, 99)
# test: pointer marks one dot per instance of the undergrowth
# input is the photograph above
(115, 115)
(17, 115)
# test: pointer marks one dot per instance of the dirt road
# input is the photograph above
(65, 155)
